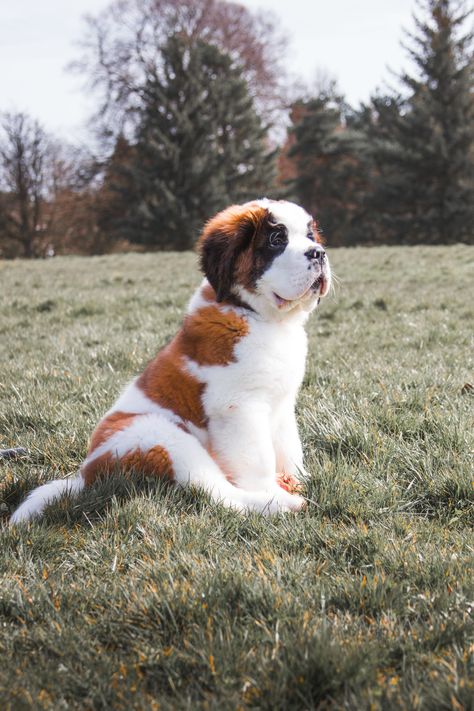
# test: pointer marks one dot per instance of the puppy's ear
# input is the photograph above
(317, 234)
(224, 238)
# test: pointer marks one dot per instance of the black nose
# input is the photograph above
(316, 254)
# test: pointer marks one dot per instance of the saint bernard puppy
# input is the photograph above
(216, 408)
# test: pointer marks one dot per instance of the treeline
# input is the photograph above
(190, 92)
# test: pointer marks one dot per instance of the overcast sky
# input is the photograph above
(353, 40)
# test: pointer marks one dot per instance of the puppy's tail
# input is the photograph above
(39, 498)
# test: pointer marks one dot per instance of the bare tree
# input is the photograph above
(36, 172)
(24, 152)
(122, 52)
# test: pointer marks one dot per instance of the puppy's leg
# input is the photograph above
(287, 443)
(241, 441)
(158, 447)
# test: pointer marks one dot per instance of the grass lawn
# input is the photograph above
(140, 596)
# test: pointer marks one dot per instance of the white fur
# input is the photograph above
(39, 498)
(197, 300)
(250, 403)
(133, 399)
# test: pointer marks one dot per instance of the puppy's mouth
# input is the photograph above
(316, 287)
(281, 302)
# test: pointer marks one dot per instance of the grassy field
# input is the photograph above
(140, 596)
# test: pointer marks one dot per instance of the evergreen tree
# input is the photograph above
(116, 194)
(200, 146)
(423, 143)
(329, 153)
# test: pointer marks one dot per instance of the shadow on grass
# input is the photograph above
(93, 504)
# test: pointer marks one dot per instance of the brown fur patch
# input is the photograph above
(229, 221)
(101, 465)
(252, 261)
(224, 239)
(317, 236)
(209, 336)
(166, 381)
(154, 462)
(244, 268)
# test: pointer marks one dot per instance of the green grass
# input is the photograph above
(140, 596)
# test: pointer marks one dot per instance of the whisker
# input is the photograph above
(335, 281)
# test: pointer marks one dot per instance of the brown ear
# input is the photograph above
(224, 238)
(317, 234)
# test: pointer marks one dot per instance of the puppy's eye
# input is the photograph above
(277, 237)
(310, 235)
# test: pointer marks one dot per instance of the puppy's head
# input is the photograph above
(266, 253)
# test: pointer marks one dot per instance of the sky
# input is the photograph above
(354, 41)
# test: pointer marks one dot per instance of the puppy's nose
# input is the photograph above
(316, 254)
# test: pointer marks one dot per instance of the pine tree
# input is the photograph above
(200, 146)
(328, 152)
(423, 141)
(116, 195)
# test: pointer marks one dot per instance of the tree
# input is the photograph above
(324, 164)
(122, 52)
(200, 146)
(116, 195)
(47, 197)
(76, 204)
(24, 151)
(423, 141)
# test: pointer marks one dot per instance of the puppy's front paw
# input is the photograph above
(289, 483)
(293, 502)
(272, 501)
